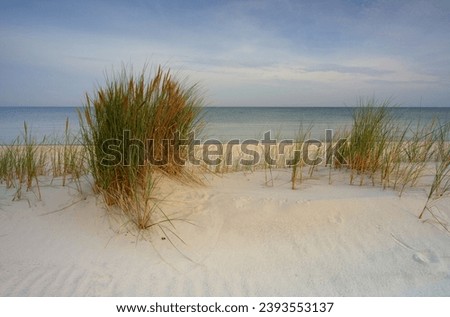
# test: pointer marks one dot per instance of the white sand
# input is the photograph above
(242, 238)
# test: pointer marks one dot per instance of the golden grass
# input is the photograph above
(146, 121)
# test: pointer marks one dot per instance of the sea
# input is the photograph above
(222, 123)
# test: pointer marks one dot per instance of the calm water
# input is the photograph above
(41, 121)
(252, 122)
(222, 123)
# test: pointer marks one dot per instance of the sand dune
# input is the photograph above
(240, 237)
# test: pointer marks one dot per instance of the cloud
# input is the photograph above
(347, 69)
(296, 51)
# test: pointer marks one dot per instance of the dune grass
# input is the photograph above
(298, 163)
(143, 120)
(67, 158)
(369, 137)
(25, 159)
(21, 163)
(413, 155)
(440, 184)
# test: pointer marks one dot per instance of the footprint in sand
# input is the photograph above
(425, 257)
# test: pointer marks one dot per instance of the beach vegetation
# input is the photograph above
(21, 163)
(67, 158)
(440, 184)
(137, 129)
(297, 163)
(146, 120)
(369, 138)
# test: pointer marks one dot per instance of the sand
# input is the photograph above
(235, 236)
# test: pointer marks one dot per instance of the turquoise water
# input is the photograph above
(222, 123)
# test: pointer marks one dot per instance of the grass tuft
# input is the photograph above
(134, 126)
(440, 184)
(369, 138)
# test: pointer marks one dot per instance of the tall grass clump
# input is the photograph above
(369, 137)
(132, 127)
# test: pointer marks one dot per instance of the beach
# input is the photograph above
(225, 157)
(235, 235)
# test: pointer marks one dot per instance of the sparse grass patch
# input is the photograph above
(21, 163)
(440, 184)
(67, 158)
(413, 155)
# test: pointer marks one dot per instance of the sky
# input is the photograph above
(241, 53)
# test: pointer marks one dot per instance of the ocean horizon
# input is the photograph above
(222, 123)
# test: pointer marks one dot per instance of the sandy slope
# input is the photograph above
(240, 238)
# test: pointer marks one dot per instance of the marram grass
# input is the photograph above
(150, 111)
(24, 160)
(369, 137)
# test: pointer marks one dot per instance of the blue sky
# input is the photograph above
(242, 53)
